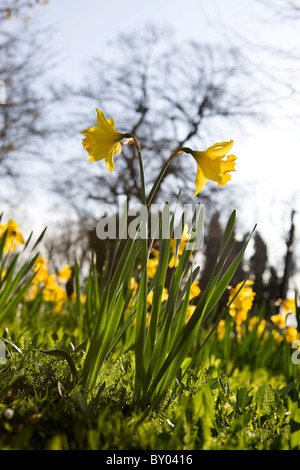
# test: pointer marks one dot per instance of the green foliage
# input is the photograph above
(212, 412)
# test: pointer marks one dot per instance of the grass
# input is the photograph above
(248, 409)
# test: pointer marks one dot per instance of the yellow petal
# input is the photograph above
(211, 168)
(102, 141)
(19, 238)
(220, 149)
(117, 148)
(200, 181)
(89, 141)
(109, 160)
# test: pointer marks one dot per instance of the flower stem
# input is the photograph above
(161, 174)
(142, 172)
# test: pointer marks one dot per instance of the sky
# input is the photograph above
(267, 155)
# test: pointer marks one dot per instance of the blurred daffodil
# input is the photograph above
(289, 306)
(164, 297)
(152, 267)
(65, 273)
(210, 164)
(195, 290)
(47, 284)
(255, 321)
(41, 270)
(103, 141)
(279, 320)
(190, 311)
(291, 334)
(242, 303)
(221, 330)
(286, 316)
(13, 237)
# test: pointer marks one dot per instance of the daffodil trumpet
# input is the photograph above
(210, 163)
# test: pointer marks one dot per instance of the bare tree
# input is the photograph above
(22, 62)
(283, 9)
(168, 94)
(10, 9)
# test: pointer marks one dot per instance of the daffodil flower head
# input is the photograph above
(291, 334)
(289, 306)
(13, 237)
(103, 141)
(65, 273)
(240, 304)
(279, 320)
(211, 166)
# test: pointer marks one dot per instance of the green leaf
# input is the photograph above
(227, 234)
(40, 238)
(287, 389)
(203, 404)
(242, 399)
(265, 399)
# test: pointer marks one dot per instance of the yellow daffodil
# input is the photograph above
(291, 334)
(65, 273)
(221, 330)
(152, 267)
(133, 287)
(41, 270)
(190, 311)
(13, 237)
(195, 290)
(210, 165)
(240, 332)
(31, 293)
(242, 303)
(41, 262)
(103, 141)
(55, 294)
(50, 287)
(277, 336)
(227, 166)
(288, 312)
(164, 297)
(252, 322)
(279, 320)
(261, 326)
(47, 284)
(289, 306)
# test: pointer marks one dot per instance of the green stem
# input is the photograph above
(141, 313)
(162, 172)
(142, 172)
(157, 182)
